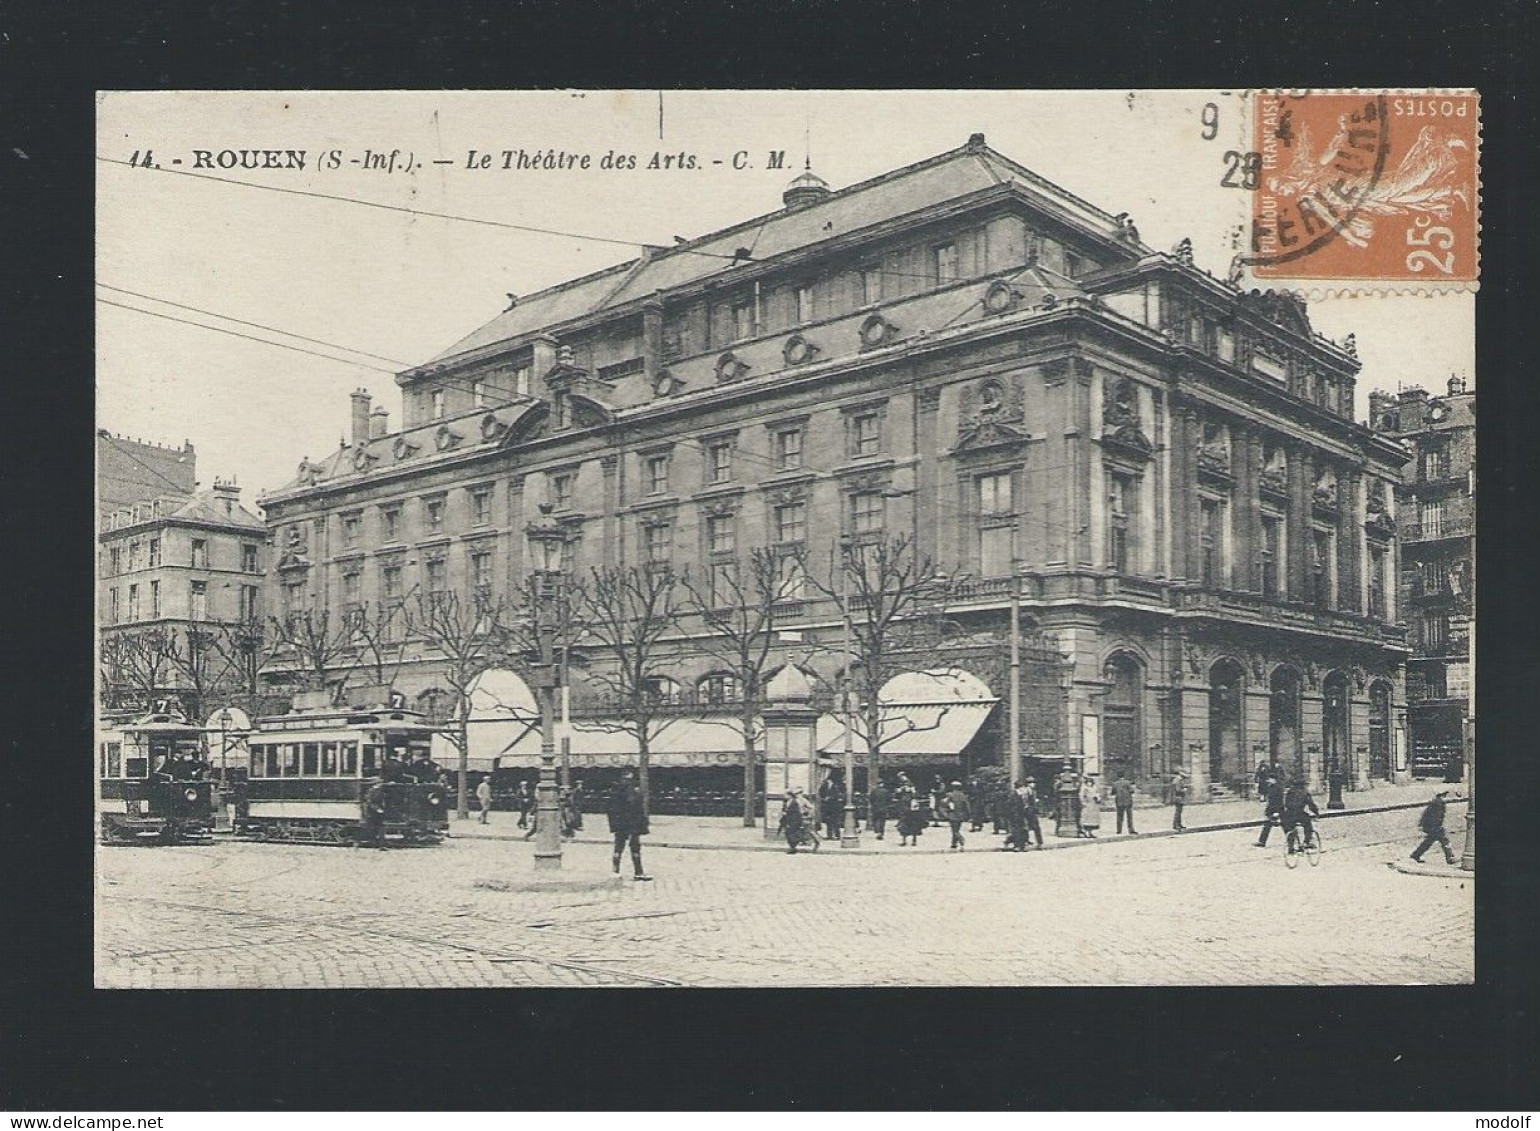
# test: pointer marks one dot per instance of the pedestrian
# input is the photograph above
(484, 796)
(575, 799)
(999, 803)
(877, 808)
(1028, 792)
(1432, 826)
(1272, 808)
(911, 816)
(1178, 799)
(793, 821)
(374, 813)
(1014, 811)
(1298, 808)
(1123, 799)
(954, 807)
(834, 814)
(978, 802)
(1264, 772)
(1090, 808)
(564, 811)
(628, 823)
(526, 802)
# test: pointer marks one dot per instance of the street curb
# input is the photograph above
(1435, 871)
(1067, 842)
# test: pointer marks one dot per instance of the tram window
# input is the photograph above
(112, 759)
(350, 758)
(371, 757)
(258, 757)
(137, 768)
(103, 763)
(290, 758)
(329, 759)
(312, 764)
(272, 761)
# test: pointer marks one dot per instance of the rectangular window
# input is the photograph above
(1272, 553)
(481, 505)
(438, 578)
(310, 763)
(724, 583)
(521, 375)
(200, 553)
(791, 522)
(1435, 464)
(436, 403)
(865, 434)
(997, 549)
(249, 610)
(1120, 520)
(198, 600)
(720, 534)
(352, 588)
(249, 558)
(349, 759)
(804, 300)
(1320, 567)
(561, 490)
(115, 560)
(1211, 542)
(351, 524)
(1431, 516)
(793, 580)
(258, 760)
(294, 598)
(1435, 634)
(788, 449)
(995, 494)
(1377, 583)
(721, 462)
(155, 598)
(433, 514)
(867, 511)
(656, 542)
(479, 394)
(743, 320)
(112, 607)
(133, 602)
(655, 471)
(329, 759)
(390, 581)
(134, 557)
(946, 262)
(154, 552)
(481, 574)
(392, 519)
(871, 285)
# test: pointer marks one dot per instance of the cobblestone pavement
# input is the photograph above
(1198, 909)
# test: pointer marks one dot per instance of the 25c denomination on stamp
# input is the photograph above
(1366, 186)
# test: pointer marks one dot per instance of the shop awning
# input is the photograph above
(912, 732)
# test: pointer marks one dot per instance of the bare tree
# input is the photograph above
(737, 605)
(200, 668)
(379, 632)
(469, 636)
(321, 645)
(245, 648)
(894, 600)
(626, 612)
(140, 662)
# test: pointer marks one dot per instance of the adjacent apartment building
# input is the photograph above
(1164, 468)
(1438, 541)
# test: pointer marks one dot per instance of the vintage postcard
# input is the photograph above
(797, 538)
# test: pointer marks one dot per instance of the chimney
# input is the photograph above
(360, 417)
(542, 361)
(228, 495)
(1456, 385)
(379, 422)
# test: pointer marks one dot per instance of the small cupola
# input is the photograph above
(808, 189)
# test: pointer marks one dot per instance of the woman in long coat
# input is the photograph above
(912, 817)
(1090, 807)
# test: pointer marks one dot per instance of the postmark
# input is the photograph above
(1366, 187)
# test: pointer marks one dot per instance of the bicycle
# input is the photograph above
(1301, 845)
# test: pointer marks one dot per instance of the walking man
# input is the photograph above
(1272, 811)
(1123, 798)
(954, 807)
(877, 808)
(628, 823)
(1432, 825)
(978, 795)
(526, 801)
(1028, 792)
(1178, 799)
(484, 797)
(1015, 812)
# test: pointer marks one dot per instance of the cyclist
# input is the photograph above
(1298, 808)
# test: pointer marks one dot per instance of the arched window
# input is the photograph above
(661, 689)
(718, 687)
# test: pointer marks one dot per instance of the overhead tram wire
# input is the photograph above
(256, 325)
(247, 337)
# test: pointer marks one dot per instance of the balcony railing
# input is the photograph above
(1435, 531)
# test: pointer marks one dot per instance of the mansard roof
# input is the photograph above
(957, 173)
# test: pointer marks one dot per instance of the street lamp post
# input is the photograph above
(1335, 706)
(850, 837)
(224, 769)
(1015, 688)
(546, 537)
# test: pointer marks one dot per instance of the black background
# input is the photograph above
(71, 1048)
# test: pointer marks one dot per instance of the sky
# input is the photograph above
(401, 288)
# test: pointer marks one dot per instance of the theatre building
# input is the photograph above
(1165, 469)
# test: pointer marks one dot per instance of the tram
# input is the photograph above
(154, 781)
(310, 774)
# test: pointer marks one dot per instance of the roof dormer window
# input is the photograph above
(436, 404)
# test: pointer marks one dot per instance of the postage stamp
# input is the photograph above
(1365, 186)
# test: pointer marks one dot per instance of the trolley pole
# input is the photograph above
(547, 815)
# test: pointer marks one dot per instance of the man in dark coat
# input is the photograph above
(1272, 811)
(1029, 816)
(1432, 825)
(978, 803)
(831, 806)
(526, 802)
(954, 808)
(1178, 799)
(374, 813)
(877, 805)
(1014, 810)
(793, 821)
(628, 823)
(1123, 799)
(1265, 771)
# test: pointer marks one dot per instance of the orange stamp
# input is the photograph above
(1371, 186)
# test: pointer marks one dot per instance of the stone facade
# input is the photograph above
(1166, 468)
